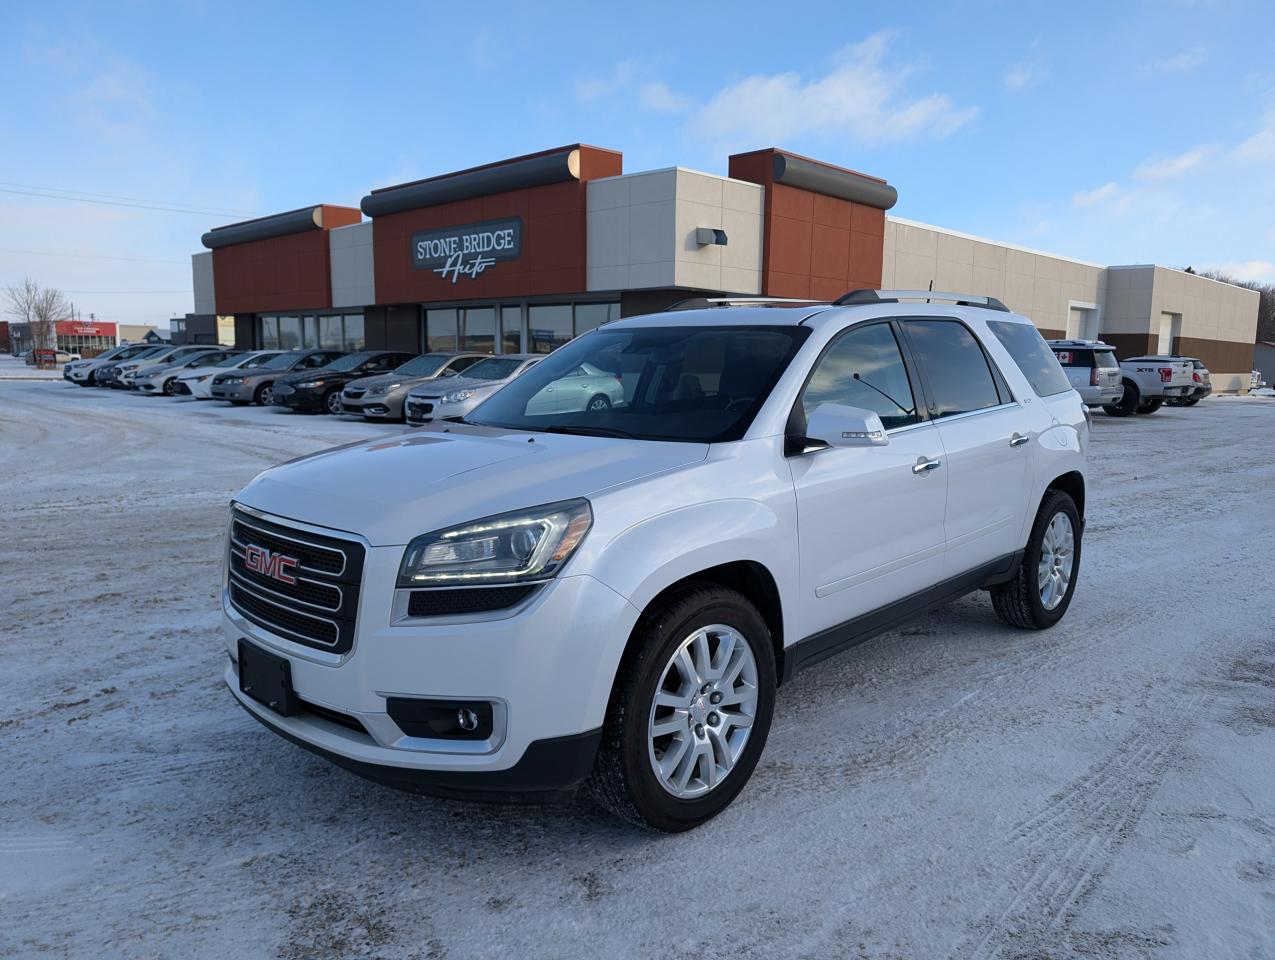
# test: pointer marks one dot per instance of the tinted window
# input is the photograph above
(1069, 357)
(697, 384)
(957, 376)
(864, 368)
(1105, 359)
(1024, 343)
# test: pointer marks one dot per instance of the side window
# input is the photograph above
(956, 371)
(1039, 365)
(314, 360)
(460, 363)
(864, 368)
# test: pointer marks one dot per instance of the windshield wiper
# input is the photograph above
(588, 432)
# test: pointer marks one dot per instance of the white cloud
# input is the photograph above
(1025, 74)
(660, 98)
(1168, 168)
(1251, 270)
(1260, 147)
(1101, 195)
(621, 76)
(859, 97)
(1181, 62)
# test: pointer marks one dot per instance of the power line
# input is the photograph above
(117, 203)
(93, 256)
(113, 196)
(128, 292)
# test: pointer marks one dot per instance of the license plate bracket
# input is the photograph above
(267, 679)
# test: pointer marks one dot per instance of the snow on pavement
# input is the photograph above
(952, 789)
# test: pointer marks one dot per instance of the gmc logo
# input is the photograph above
(273, 565)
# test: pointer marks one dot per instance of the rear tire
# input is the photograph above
(1020, 602)
(1128, 402)
(1151, 406)
(685, 666)
(264, 395)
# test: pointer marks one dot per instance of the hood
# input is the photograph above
(384, 379)
(438, 388)
(392, 489)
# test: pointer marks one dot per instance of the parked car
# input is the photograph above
(162, 379)
(455, 397)
(256, 385)
(319, 391)
(381, 397)
(131, 369)
(48, 356)
(528, 602)
(84, 372)
(197, 381)
(108, 375)
(1092, 369)
(1203, 385)
(1148, 382)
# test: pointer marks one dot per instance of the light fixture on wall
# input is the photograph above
(706, 236)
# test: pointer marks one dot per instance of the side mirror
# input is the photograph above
(836, 425)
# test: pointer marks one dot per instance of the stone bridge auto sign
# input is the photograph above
(467, 250)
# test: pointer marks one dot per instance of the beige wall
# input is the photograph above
(353, 279)
(1036, 285)
(641, 232)
(1217, 319)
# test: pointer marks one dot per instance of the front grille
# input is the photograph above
(334, 716)
(318, 609)
(442, 603)
(354, 394)
(417, 409)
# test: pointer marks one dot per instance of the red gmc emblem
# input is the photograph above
(273, 565)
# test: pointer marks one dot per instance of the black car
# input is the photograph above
(320, 390)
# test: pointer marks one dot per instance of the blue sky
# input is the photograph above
(1114, 132)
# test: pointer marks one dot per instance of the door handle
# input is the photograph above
(923, 465)
(1017, 440)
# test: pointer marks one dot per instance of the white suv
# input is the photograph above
(527, 600)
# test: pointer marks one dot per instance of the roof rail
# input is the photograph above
(858, 297)
(701, 303)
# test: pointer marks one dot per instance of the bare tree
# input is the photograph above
(40, 308)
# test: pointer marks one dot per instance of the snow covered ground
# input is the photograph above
(952, 789)
(15, 368)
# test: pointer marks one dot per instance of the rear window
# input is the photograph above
(1106, 359)
(1029, 350)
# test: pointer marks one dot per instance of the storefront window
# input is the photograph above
(289, 333)
(478, 329)
(548, 327)
(354, 338)
(590, 315)
(511, 329)
(330, 336)
(310, 332)
(269, 333)
(440, 330)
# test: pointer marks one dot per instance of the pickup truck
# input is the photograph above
(1149, 381)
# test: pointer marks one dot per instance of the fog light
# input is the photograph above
(467, 720)
(442, 719)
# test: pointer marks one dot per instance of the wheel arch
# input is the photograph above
(1071, 483)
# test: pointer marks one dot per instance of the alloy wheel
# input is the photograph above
(703, 711)
(333, 402)
(1057, 559)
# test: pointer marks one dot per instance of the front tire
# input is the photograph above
(264, 395)
(169, 386)
(599, 403)
(1041, 590)
(1128, 402)
(690, 710)
(332, 402)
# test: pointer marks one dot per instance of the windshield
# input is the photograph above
(130, 353)
(350, 361)
(494, 368)
(281, 361)
(694, 384)
(149, 354)
(229, 360)
(1105, 359)
(425, 365)
(254, 360)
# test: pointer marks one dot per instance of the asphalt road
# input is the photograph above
(953, 789)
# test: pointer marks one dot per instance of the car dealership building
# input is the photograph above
(523, 254)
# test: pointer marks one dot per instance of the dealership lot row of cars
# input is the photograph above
(401, 387)
(380, 385)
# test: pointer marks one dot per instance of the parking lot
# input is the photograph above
(952, 789)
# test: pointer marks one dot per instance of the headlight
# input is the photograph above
(524, 545)
(457, 397)
(378, 391)
(203, 378)
(227, 381)
(308, 384)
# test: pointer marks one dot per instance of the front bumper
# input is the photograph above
(547, 664)
(377, 407)
(231, 391)
(294, 399)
